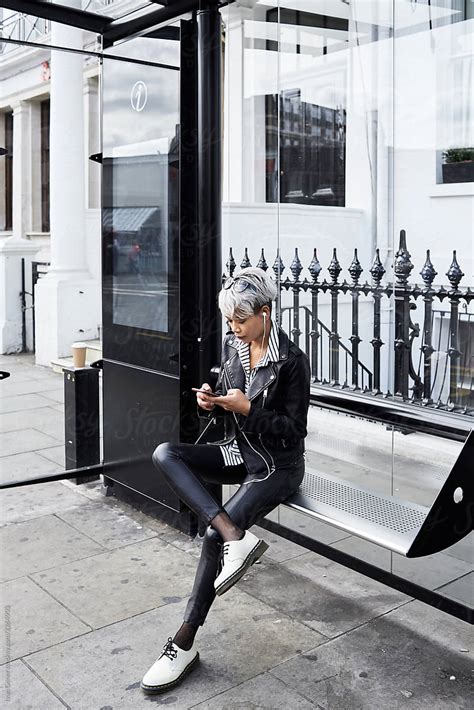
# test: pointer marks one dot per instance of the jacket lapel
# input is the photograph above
(264, 377)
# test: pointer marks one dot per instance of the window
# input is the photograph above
(45, 112)
(455, 83)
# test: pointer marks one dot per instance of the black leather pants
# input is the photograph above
(186, 467)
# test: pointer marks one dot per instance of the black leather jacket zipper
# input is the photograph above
(248, 442)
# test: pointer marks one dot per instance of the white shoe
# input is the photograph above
(170, 668)
(238, 555)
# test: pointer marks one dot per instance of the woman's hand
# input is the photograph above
(235, 401)
(203, 400)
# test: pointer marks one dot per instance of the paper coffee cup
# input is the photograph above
(79, 354)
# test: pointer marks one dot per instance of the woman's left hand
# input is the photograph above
(234, 401)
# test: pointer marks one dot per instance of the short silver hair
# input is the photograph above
(261, 292)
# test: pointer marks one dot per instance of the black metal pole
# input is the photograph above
(209, 183)
(189, 233)
(209, 44)
(23, 307)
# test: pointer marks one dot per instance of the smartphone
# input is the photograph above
(210, 394)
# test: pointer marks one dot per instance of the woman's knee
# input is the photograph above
(162, 453)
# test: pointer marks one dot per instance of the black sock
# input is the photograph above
(185, 636)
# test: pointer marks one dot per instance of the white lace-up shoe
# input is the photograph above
(170, 668)
(237, 556)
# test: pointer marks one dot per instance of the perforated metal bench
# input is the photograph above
(401, 526)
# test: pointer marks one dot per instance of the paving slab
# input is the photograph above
(23, 440)
(107, 666)
(389, 662)
(110, 527)
(56, 454)
(32, 619)
(53, 426)
(436, 627)
(192, 546)
(264, 692)
(21, 688)
(320, 593)
(56, 394)
(22, 402)
(430, 571)
(116, 584)
(41, 544)
(463, 550)
(21, 374)
(461, 589)
(306, 525)
(42, 419)
(21, 467)
(280, 549)
(22, 364)
(33, 501)
(12, 386)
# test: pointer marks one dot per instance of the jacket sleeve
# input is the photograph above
(292, 422)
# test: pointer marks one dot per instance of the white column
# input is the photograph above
(13, 245)
(67, 165)
(67, 298)
(22, 207)
(35, 153)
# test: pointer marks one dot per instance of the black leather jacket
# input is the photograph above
(273, 433)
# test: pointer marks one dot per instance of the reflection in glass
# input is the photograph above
(309, 111)
(140, 200)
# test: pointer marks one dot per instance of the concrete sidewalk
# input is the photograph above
(91, 590)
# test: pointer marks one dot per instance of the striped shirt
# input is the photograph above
(231, 451)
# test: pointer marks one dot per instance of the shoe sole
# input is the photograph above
(252, 557)
(156, 689)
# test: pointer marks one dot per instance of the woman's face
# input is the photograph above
(251, 328)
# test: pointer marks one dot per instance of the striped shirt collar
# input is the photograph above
(272, 353)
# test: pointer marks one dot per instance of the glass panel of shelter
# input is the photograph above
(433, 201)
(331, 162)
(54, 229)
(140, 203)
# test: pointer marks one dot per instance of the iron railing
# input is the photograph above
(38, 269)
(430, 365)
